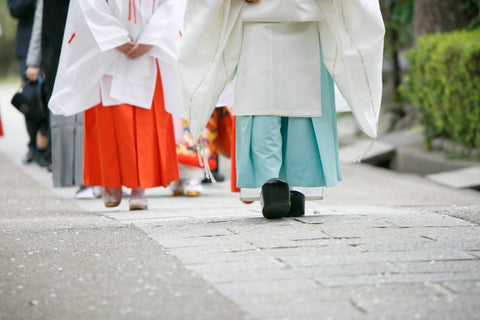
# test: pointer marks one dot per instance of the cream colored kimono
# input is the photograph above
(351, 33)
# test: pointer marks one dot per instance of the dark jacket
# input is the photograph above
(53, 26)
(23, 11)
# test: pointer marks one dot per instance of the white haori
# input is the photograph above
(291, 90)
(352, 36)
(282, 11)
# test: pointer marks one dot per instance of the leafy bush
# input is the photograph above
(443, 83)
(8, 61)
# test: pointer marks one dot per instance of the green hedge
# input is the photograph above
(8, 61)
(443, 83)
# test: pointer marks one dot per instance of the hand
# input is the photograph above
(33, 72)
(126, 47)
(138, 50)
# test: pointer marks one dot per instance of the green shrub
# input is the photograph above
(443, 83)
(8, 61)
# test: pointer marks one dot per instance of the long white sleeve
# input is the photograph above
(107, 30)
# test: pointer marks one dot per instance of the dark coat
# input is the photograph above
(53, 26)
(24, 12)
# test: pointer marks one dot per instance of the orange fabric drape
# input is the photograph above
(224, 127)
(130, 146)
(233, 167)
(1, 128)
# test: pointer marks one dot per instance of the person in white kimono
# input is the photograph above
(284, 54)
(118, 65)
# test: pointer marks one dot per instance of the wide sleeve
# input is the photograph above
(352, 37)
(208, 56)
(164, 29)
(107, 30)
(81, 67)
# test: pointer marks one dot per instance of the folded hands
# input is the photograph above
(134, 50)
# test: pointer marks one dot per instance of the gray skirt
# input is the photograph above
(67, 150)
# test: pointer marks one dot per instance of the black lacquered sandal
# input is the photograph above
(297, 204)
(275, 199)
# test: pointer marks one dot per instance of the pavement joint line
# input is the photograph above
(443, 288)
(358, 307)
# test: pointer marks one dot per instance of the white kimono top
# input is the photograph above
(279, 70)
(91, 70)
(351, 33)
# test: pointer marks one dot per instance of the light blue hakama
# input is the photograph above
(301, 150)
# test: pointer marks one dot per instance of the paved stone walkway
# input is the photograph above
(382, 245)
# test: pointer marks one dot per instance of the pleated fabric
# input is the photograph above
(130, 146)
(1, 128)
(67, 135)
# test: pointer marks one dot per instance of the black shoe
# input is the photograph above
(43, 158)
(218, 177)
(30, 156)
(297, 204)
(275, 199)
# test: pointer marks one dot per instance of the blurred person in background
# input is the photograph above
(66, 133)
(191, 172)
(24, 11)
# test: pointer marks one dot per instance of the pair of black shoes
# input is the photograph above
(42, 157)
(279, 202)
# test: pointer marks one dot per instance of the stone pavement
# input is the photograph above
(381, 245)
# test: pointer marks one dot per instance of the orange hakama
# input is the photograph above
(130, 146)
(1, 128)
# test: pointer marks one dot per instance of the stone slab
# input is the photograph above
(459, 179)
(364, 151)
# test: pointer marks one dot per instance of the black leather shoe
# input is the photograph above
(297, 204)
(275, 199)
(43, 158)
(217, 176)
(30, 156)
